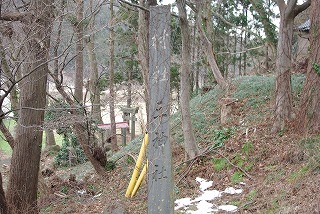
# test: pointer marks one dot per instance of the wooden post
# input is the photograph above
(160, 179)
(130, 114)
(124, 136)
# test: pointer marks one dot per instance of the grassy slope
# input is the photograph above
(281, 172)
(4, 146)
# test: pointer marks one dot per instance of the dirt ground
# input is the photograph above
(278, 174)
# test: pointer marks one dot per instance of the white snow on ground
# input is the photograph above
(203, 207)
(232, 191)
(182, 203)
(229, 208)
(202, 202)
(204, 184)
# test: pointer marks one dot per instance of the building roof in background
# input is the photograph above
(305, 27)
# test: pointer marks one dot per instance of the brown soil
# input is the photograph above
(270, 185)
(284, 177)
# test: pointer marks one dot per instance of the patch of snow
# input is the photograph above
(204, 184)
(228, 208)
(204, 207)
(208, 195)
(81, 192)
(202, 202)
(232, 191)
(183, 202)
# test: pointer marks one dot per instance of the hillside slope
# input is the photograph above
(277, 173)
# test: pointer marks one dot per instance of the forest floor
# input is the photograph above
(277, 173)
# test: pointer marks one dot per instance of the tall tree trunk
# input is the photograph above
(143, 47)
(143, 51)
(283, 105)
(93, 84)
(191, 148)
(245, 44)
(83, 135)
(208, 48)
(23, 181)
(234, 58)
(3, 202)
(283, 102)
(129, 84)
(94, 74)
(309, 114)
(78, 28)
(114, 144)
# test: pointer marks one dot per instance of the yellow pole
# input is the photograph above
(138, 165)
(141, 177)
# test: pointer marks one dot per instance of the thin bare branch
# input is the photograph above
(299, 8)
(134, 5)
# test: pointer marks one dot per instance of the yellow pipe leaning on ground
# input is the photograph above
(141, 177)
(138, 165)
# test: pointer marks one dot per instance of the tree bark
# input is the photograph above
(114, 144)
(84, 140)
(6, 133)
(78, 28)
(3, 202)
(83, 135)
(309, 113)
(143, 47)
(191, 148)
(94, 74)
(208, 48)
(143, 51)
(23, 181)
(283, 102)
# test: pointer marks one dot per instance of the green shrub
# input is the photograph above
(237, 177)
(220, 136)
(219, 164)
(247, 147)
(110, 165)
(62, 158)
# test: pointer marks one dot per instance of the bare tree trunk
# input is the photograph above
(83, 135)
(84, 139)
(208, 48)
(309, 114)
(283, 102)
(191, 148)
(143, 47)
(94, 74)
(143, 51)
(78, 28)
(23, 181)
(3, 202)
(6, 133)
(129, 86)
(114, 144)
(245, 45)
